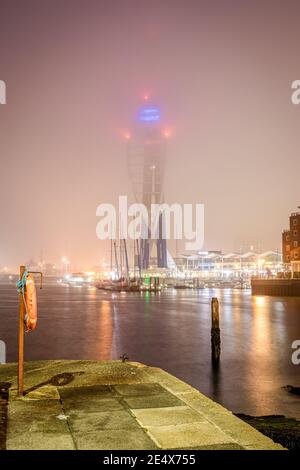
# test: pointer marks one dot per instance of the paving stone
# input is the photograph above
(243, 433)
(86, 392)
(202, 403)
(153, 401)
(89, 399)
(167, 416)
(215, 447)
(81, 421)
(168, 381)
(131, 439)
(91, 405)
(34, 425)
(188, 435)
(238, 430)
(42, 440)
(135, 390)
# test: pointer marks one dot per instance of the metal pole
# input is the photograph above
(21, 340)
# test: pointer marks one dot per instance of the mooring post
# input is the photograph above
(215, 331)
(21, 339)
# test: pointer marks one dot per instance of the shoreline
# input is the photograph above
(4, 395)
(281, 429)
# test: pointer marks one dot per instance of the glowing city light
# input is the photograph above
(151, 114)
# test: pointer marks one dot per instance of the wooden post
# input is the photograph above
(21, 340)
(215, 331)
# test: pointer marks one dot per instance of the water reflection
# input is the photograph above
(260, 332)
(105, 331)
(172, 330)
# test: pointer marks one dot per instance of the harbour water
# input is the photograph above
(171, 330)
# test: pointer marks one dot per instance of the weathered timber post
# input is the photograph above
(215, 332)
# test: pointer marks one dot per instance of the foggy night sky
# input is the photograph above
(76, 72)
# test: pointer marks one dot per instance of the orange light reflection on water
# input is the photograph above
(105, 329)
(262, 353)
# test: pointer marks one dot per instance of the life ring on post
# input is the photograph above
(31, 303)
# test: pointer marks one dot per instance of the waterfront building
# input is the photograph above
(291, 240)
(220, 265)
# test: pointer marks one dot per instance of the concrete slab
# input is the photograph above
(35, 424)
(167, 416)
(188, 435)
(136, 390)
(91, 405)
(103, 391)
(153, 401)
(215, 447)
(112, 439)
(241, 432)
(100, 421)
(166, 380)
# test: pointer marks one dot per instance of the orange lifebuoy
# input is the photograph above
(31, 304)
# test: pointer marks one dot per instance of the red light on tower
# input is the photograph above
(127, 136)
(146, 97)
(167, 133)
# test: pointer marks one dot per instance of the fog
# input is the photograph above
(76, 73)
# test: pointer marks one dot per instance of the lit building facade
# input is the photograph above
(219, 265)
(291, 240)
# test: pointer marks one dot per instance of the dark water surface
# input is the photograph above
(171, 330)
